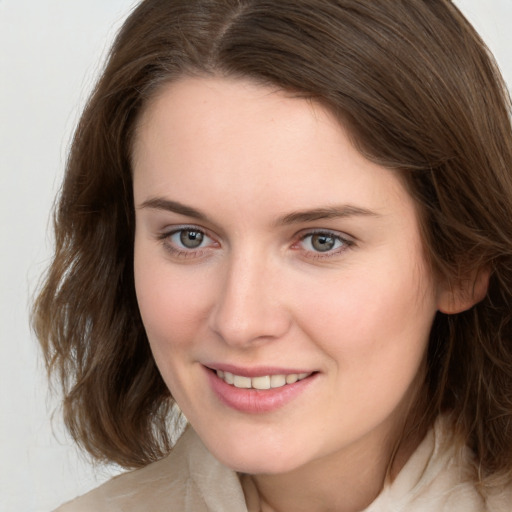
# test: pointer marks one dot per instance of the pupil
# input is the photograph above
(191, 239)
(322, 243)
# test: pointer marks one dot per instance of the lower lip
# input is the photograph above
(256, 401)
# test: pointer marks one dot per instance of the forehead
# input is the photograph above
(255, 145)
(217, 108)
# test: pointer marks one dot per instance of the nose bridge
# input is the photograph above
(249, 307)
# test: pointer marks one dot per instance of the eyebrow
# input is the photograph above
(159, 203)
(332, 212)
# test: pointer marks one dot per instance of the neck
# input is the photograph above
(315, 489)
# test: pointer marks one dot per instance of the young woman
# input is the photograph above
(290, 222)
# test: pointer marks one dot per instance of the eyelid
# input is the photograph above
(172, 230)
(326, 231)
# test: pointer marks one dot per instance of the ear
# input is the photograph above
(461, 296)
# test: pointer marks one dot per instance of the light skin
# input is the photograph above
(264, 239)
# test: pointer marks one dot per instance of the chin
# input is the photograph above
(256, 459)
(259, 467)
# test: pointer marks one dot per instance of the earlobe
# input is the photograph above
(461, 296)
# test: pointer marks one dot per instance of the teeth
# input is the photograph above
(290, 379)
(242, 382)
(277, 381)
(263, 382)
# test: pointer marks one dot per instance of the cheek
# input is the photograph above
(171, 304)
(171, 309)
(373, 323)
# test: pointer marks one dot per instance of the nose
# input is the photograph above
(250, 308)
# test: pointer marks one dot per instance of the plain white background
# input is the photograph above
(50, 53)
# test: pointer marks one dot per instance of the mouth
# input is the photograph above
(261, 382)
(257, 390)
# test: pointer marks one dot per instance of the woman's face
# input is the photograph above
(270, 254)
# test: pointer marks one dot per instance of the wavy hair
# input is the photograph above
(419, 93)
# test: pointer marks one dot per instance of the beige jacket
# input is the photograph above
(190, 479)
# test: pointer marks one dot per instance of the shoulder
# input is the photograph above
(163, 480)
(499, 499)
(186, 480)
(440, 476)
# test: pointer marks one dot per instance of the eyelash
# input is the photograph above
(184, 253)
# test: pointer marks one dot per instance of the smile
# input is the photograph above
(261, 382)
(257, 390)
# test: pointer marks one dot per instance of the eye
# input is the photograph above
(324, 243)
(321, 242)
(189, 238)
(187, 241)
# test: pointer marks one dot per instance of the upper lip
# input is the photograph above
(256, 371)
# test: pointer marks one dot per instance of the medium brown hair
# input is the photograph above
(419, 93)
